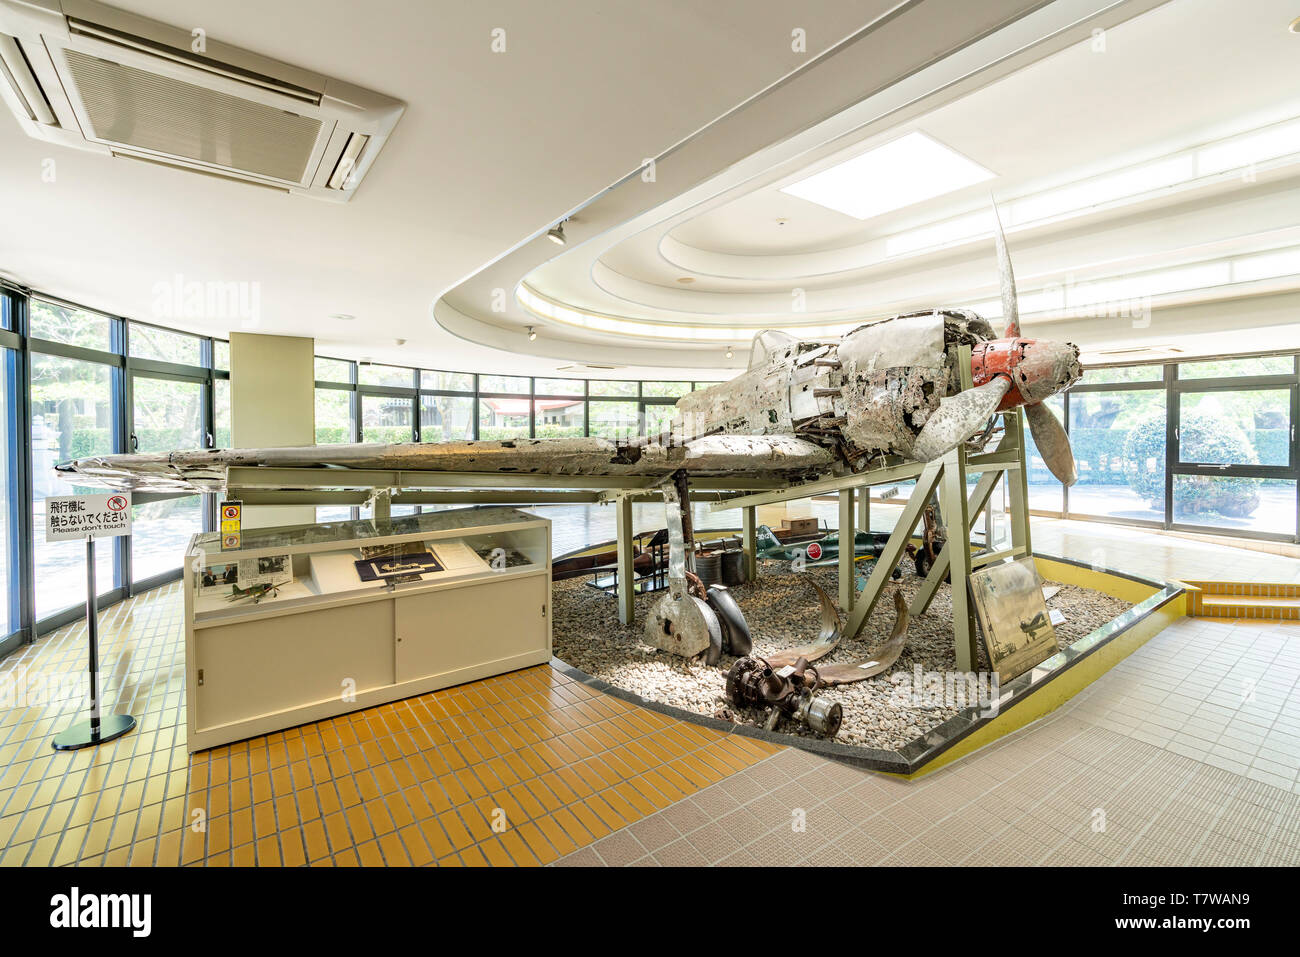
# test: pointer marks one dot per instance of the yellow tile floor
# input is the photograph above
(517, 769)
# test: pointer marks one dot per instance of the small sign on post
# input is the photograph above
(89, 517)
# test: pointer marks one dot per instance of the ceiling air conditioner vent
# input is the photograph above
(86, 75)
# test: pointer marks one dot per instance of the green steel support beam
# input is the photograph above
(1018, 484)
(978, 501)
(956, 518)
(880, 476)
(894, 548)
(626, 593)
(749, 541)
(847, 548)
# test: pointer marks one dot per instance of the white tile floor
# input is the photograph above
(1184, 754)
(1222, 693)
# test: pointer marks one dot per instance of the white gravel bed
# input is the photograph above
(782, 611)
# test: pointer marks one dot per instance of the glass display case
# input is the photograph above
(306, 564)
(303, 622)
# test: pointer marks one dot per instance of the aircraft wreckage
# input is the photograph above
(802, 409)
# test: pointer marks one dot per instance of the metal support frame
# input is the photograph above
(749, 541)
(848, 549)
(895, 547)
(956, 516)
(626, 594)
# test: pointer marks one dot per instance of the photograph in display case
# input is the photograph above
(219, 575)
(268, 570)
(388, 566)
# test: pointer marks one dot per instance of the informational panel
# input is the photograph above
(70, 517)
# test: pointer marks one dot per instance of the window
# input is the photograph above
(612, 387)
(1253, 366)
(69, 325)
(503, 383)
(163, 345)
(1235, 428)
(447, 381)
(386, 418)
(221, 355)
(559, 387)
(1119, 448)
(444, 418)
(333, 370)
(10, 620)
(333, 416)
(72, 417)
(369, 373)
(503, 418)
(614, 420)
(658, 418)
(166, 414)
(665, 389)
(1123, 374)
(1046, 494)
(221, 413)
(559, 418)
(1236, 503)
(159, 533)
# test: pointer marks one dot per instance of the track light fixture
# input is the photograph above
(556, 234)
(532, 334)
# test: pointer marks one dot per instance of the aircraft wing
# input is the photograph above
(205, 470)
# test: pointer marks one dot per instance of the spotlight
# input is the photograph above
(729, 352)
(556, 234)
(532, 334)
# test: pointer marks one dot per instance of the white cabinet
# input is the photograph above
(326, 642)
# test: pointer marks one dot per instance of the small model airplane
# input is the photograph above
(821, 551)
(255, 592)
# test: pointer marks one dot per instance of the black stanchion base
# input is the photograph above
(78, 736)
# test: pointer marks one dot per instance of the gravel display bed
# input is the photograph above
(783, 612)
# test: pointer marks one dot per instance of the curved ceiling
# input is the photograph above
(492, 148)
(1145, 160)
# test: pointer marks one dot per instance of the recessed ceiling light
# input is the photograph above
(904, 171)
(556, 234)
(686, 280)
(345, 317)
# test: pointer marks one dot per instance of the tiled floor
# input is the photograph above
(1089, 784)
(1186, 752)
(516, 769)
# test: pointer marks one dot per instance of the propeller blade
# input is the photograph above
(1006, 281)
(958, 418)
(1052, 441)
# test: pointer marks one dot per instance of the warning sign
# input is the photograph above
(231, 519)
(78, 516)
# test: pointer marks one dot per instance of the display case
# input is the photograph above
(305, 622)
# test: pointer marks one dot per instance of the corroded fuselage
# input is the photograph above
(872, 392)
